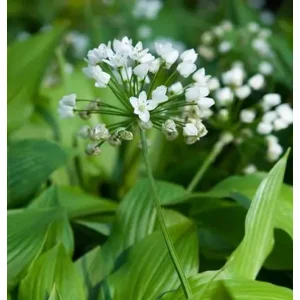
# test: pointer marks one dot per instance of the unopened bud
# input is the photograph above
(92, 149)
(99, 132)
(84, 132)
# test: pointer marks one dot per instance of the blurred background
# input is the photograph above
(47, 43)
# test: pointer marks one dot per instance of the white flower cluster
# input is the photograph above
(147, 9)
(131, 72)
(221, 39)
(243, 107)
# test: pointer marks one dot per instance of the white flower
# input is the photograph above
(189, 56)
(167, 53)
(95, 72)
(207, 37)
(84, 132)
(213, 83)
(123, 47)
(96, 55)
(141, 70)
(65, 111)
(185, 69)
(261, 46)
(285, 112)
(154, 65)
(126, 73)
(265, 68)
(224, 47)
(176, 88)
(144, 31)
(235, 76)
(169, 129)
(243, 92)
(247, 116)
(280, 124)
(223, 114)
(200, 78)
(159, 94)
(269, 117)
(274, 148)
(205, 103)
(147, 9)
(218, 31)
(226, 25)
(99, 132)
(265, 33)
(270, 100)
(264, 128)
(257, 82)
(224, 96)
(195, 93)
(69, 100)
(142, 106)
(207, 52)
(250, 169)
(253, 27)
(190, 130)
(146, 125)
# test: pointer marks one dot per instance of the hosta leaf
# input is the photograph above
(54, 294)
(25, 73)
(26, 235)
(52, 267)
(30, 162)
(135, 219)
(76, 202)
(248, 258)
(239, 289)
(243, 188)
(149, 271)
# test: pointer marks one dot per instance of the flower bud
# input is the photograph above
(92, 149)
(99, 132)
(84, 132)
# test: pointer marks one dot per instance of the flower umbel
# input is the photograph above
(135, 75)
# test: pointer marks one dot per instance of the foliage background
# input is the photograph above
(61, 196)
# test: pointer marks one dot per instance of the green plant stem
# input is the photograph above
(185, 285)
(203, 168)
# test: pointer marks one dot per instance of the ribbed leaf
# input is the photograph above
(54, 294)
(239, 289)
(26, 235)
(25, 73)
(248, 258)
(135, 219)
(52, 267)
(149, 272)
(243, 188)
(30, 162)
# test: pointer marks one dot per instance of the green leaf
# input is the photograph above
(149, 271)
(76, 202)
(30, 162)
(240, 289)
(60, 231)
(248, 258)
(26, 235)
(54, 294)
(135, 219)
(25, 73)
(242, 189)
(52, 267)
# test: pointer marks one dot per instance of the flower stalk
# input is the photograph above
(184, 282)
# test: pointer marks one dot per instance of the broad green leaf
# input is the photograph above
(243, 188)
(102, 228)
(54, 294)
(149, 272)
(25, 73)
(60, 231)
(52, 267)
(26, 235)
(135, 219)
(76, 202)
(248, 258)
(239, 289)
(30, 162)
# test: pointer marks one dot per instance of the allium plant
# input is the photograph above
(132, 73)
(245, 113)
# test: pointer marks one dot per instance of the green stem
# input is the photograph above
(203, 168)
(185, 285)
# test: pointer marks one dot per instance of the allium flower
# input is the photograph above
(178, 103)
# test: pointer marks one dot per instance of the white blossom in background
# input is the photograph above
(147, 9)
(250, 169)
(257, 82)
(79, 43)
(179, 104)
